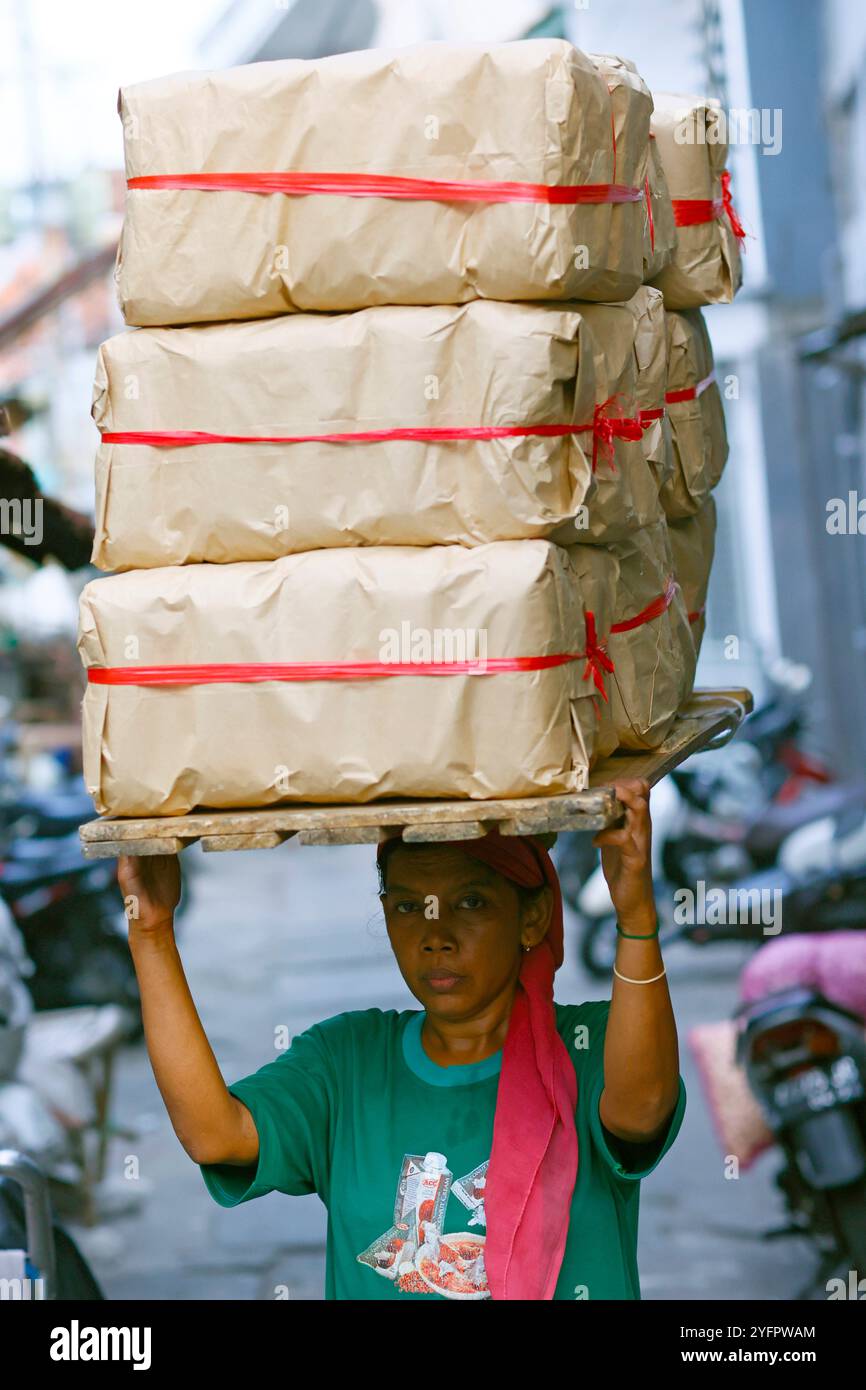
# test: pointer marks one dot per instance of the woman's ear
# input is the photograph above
(536, 916)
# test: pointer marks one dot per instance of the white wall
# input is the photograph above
(461, 21)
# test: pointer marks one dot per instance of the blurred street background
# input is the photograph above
(293, 935)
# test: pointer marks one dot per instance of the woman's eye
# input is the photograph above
(405, 906)
(472, 901)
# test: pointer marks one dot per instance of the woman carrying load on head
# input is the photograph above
(489, 1144)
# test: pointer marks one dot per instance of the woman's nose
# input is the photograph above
(438, 937)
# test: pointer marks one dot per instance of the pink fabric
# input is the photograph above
(834, 963)
(533, 1163)
(738, 1120)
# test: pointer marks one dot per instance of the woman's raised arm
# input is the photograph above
(641, 1055)
(211, 1124)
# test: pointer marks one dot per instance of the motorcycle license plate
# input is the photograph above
(819, 1088)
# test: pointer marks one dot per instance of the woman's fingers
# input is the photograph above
(634, 831)
(128, 870)
(157, 875)
(633, 792)
(607, 838)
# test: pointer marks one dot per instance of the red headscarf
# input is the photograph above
(533, 1163)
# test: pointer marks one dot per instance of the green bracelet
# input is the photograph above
(632, 936)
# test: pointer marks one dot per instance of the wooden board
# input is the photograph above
(710, 719)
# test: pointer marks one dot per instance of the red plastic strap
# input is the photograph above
(646, 417)
(649, 213)
(690, 393)
(612, 134)
(394, 186)
(169, 439)
(653, 610)
(246, 673)
(690, 212)
(605, 428)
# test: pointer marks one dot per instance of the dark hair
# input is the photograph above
(526, 895)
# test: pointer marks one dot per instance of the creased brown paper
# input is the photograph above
(629, 359)
(628, 91)
(650, 352)
(706, 266)
(693, 543)
(535, 111)
(654, 663)
(165, 750)
(700, 440)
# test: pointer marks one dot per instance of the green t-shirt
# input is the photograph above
(354, 1108)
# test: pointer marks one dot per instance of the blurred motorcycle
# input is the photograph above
(55, 1079)
(720, 817)
(34, 1248)
(817, 884)
(70, 914)
(802, 1046)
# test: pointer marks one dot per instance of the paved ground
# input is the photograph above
(294, 935)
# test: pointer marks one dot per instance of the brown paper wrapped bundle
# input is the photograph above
(629, 358)
(479, 366)
(628, 91)
(705, 268)
(531, 113)
(693, 543)
(228, 734)
(650, 642)
(696, 415)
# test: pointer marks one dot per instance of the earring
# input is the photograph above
(527, 948)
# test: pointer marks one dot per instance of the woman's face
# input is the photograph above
(457, 928)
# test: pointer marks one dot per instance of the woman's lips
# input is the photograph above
(442, 981)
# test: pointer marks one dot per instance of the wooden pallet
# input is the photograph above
(709, 720)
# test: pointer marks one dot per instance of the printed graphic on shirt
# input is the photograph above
(470, 1191)
(414, 1252)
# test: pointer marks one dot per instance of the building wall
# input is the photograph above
(783, 40)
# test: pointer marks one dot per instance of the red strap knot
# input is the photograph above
(597, 659)
(607, 427)
(737, 227)
(691, 212)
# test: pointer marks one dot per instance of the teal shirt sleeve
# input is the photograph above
(626, 1160)
(291, 1102)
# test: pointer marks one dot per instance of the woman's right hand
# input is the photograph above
(150, 885)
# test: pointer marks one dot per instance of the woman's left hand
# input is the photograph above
(627, 861)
